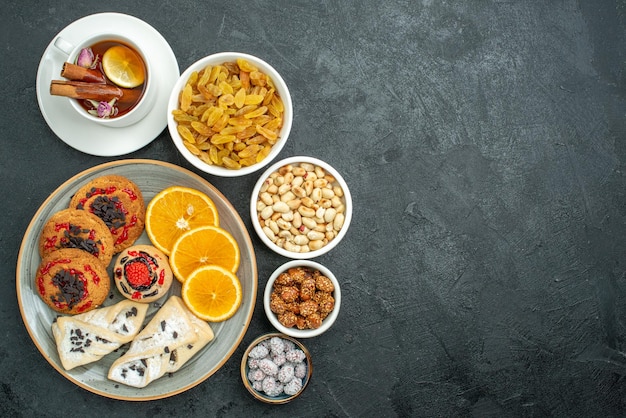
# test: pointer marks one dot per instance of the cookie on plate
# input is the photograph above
(72, 281)
(142, 273)
(74, 228)
(118, 202)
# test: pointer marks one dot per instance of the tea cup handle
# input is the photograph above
(63, 45)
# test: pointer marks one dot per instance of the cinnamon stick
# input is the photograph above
(78, 73)
(93, 91)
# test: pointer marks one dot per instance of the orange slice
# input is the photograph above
(212, 293)
(176, 210)
(206, 245)
(123, 66)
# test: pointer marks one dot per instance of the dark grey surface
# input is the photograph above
(483, 142)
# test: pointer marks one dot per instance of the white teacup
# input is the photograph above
(147, 100)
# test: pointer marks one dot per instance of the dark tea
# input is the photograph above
(122, 67)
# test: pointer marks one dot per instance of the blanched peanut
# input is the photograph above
(273, 226)
(306, 212)
(284, 188)
(327, 193)
(270, 234)
(288, 196)
(294, 204)
(290, 246)
(320, 183)
(308, 187)
(316, 245)
(329, 215)
(299, 191)
(316, 194)
(285, 169)
(297, 220)
(301, 207)
(338, 222)
(280, 207)
(298, 180)
(301, 240)
(267, 198)
(283, 224)
(315, 235)
(307, 201)
(267, 212)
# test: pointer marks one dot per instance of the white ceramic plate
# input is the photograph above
(151, 177)
(78, 132)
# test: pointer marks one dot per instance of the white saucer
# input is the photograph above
(77, 131)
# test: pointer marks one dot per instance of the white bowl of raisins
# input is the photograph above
(230, 114)
(302, 299)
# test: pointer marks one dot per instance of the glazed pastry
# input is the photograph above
(73, 228)
(184, 352)
(171, 338)
(142, 273)
(118, 202)
(72, 281)
(85, 338)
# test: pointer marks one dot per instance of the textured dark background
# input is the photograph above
(484, 144)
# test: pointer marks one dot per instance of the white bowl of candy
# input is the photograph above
(276, 368)
(302, 299)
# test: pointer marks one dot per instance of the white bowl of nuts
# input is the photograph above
(230, 114)
(301, 207)
(302, 299)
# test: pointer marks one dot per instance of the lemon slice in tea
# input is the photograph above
(123, 66)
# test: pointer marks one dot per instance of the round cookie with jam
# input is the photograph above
(72, 281)
(118, 202)
(74, 228)
(142, 273)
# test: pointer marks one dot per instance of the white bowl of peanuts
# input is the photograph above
(230, 114)
(302, 299)
(301, 207)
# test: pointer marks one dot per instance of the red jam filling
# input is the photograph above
(138, 274)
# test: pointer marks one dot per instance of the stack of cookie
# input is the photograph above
(77, 244)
